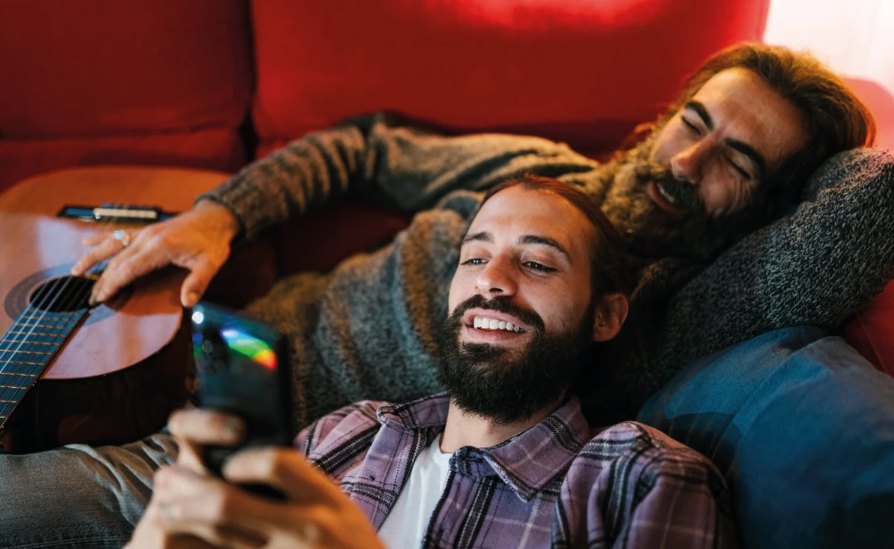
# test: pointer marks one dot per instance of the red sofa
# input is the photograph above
(215, 83)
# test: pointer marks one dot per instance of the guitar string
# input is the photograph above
(44, 308)
(48, 300)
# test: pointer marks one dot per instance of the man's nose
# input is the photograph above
(497, 277)
(689, 164)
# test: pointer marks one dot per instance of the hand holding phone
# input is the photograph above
(243, 370)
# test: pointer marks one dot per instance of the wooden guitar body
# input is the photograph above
(127, 363)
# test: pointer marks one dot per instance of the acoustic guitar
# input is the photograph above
(74, 373)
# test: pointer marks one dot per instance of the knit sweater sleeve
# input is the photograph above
(816, 266)
(378, 160)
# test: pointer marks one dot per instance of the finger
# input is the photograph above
(190, 456)
(149, 536)
(224, 537)
(107, 248)
(184, 531)
(188, 542)
(101, 290)
(124, 268)
(189, 535)
(229, 517)
(285, 469)
(196, 428)
(95, 239)
(197, 281)
(187, 503)
(201, 426)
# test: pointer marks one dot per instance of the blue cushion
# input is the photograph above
(803, 429)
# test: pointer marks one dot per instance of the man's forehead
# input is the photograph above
(747, 110)
(516, 212)
(516, 205)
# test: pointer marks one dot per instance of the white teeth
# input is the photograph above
(665, 194)
(493, 324)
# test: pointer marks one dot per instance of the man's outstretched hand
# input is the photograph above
(191, 509)
(197, 240)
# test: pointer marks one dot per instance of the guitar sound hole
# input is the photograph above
(63, 294)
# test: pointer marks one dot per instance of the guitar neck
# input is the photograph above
(27, 348)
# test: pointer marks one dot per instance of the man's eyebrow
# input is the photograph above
(698, 108)
(749, 151)
(479, 237)
(544, 241)
(485, 236)
(759, 162)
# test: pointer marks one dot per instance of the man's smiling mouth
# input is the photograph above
(665, 194)
(665, 200)
(484, 323)
(495, 327)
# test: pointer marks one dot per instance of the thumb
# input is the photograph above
(285, 469)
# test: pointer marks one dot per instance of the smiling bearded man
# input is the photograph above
(505, 458)
(714, 170)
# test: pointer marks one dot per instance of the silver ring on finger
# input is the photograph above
(123, 237)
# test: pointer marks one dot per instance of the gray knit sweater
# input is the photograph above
(368, 328)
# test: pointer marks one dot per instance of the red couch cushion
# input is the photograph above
(327, 237)
(213, 149)
(113, 67)
(871, 331)
(580, 71)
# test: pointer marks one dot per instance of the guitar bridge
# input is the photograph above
(116, 213)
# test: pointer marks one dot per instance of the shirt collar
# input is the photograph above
(527, 462)
(424, 413)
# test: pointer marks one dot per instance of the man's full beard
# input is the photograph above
(511, 385)
(648, 230)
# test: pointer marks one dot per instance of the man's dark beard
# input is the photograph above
(501, 384)
(652, 232)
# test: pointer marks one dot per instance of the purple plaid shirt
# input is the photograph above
(554, 485)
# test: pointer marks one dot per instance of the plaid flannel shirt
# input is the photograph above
(554, 485)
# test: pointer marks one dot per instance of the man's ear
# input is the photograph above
(610, 316)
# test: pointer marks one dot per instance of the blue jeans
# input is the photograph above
(78, 496)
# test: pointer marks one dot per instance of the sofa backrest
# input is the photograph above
(578, 71)
(91, 81)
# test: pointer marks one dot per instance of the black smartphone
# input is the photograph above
(242, 368)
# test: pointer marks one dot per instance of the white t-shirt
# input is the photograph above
(408, 520)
